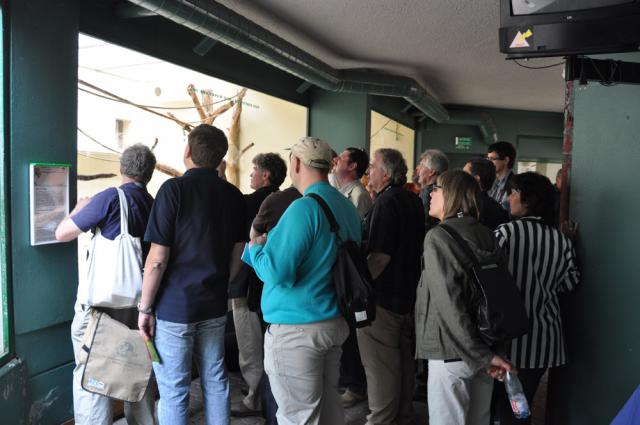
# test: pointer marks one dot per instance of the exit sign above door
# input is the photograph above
(463, 143)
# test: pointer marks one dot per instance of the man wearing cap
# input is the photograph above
(306, 329)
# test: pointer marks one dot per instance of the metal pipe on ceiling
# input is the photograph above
(220, 23)
(483, 120)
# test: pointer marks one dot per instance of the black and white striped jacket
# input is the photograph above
(542, 262)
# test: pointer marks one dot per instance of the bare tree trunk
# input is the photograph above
(233, 155)
(191, 89)
(168, 170)
(87, 177)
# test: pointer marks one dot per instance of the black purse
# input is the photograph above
(495, 302)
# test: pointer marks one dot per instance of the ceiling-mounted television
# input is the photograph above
(539, 28)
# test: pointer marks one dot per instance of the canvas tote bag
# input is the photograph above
(117, 363)
(113, 276)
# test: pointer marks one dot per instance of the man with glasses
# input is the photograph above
(503, 156)
(432, 163)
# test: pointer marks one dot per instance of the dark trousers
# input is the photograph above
(352, 375)
(529, 378)
(269, 405)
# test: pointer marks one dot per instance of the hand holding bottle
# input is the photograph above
(517, 399)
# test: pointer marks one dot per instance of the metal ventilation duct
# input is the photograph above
(483, 120)
(220, 23)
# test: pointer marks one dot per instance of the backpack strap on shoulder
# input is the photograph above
(461, 242)
(333, 223)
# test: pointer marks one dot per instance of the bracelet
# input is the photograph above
(148, 310)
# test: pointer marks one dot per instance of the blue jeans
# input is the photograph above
(177, 344)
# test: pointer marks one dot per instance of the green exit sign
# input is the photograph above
(463, 143)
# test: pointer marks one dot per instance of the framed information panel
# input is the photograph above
(49, 198)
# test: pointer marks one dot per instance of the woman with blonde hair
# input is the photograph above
(461, 363)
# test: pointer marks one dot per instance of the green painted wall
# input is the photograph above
(13, 387)
(341, 119)
(536, 135)
(43, 37)
(601, 318)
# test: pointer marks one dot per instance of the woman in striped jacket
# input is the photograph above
(542, 262)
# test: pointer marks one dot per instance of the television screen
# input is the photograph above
(534, 7)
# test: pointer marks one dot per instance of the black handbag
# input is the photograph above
(495, 301)
(254, 292)
(351, 277)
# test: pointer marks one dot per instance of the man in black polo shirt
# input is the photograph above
(269, 171)
(196, 229)
(394, 228)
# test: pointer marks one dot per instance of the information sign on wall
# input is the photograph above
(49, 197)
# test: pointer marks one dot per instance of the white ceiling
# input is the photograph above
(450, 46)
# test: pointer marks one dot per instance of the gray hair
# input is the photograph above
(137, 162)
(435, 160)
(394, 164)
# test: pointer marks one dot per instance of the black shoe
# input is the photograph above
(239, 410)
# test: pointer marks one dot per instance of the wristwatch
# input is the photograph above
(148, 310)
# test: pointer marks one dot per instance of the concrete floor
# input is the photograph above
(355, 415)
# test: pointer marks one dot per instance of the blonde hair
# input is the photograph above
(460, 194)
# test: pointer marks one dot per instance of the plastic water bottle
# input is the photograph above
(518, 401)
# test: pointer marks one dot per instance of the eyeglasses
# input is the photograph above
(436, 187)
(494, 158)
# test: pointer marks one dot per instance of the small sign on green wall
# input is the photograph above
(463, 143)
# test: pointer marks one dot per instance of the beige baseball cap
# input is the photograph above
(313, 152)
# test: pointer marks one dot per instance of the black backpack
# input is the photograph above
(495, 302)
(351, 277)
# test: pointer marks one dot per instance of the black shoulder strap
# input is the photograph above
(461, 242)
(335, 227)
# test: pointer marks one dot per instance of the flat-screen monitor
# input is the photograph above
(539, 28)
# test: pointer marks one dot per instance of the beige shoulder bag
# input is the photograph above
(117, 363)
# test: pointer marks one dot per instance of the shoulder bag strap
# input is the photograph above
(335, 227)
(124, 212)
(461, 242)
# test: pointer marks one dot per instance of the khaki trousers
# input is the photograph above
(458, 395)
(387, 357)
(94, 409)
(250, 339)
(303, 365)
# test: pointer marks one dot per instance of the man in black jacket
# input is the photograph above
(491, 212)
(269, 171)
